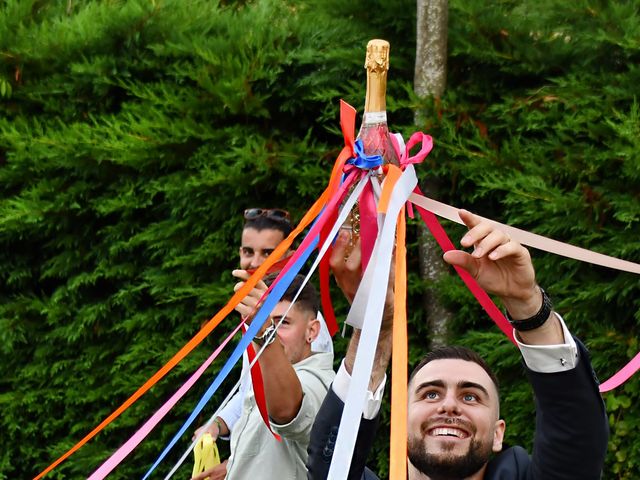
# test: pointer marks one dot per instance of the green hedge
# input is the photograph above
(133, 133)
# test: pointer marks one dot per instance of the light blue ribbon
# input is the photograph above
(261, 316)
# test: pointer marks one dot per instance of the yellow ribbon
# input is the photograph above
(206, 455)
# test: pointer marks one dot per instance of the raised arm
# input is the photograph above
(571, 422)
(347, 271)
(502, 266)
(282, 388)
(346, 267)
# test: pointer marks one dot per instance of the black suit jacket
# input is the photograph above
(570, 441)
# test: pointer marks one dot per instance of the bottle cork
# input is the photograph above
(377, 65)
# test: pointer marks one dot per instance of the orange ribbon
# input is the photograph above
(280, 250)
(398, 447)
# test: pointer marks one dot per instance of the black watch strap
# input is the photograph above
(537, 320)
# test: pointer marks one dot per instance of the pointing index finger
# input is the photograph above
(241, 274)
(469, 219)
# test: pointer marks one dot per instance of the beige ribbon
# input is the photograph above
(532, 239)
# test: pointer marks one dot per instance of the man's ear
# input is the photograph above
(313, 329)
(498, 435)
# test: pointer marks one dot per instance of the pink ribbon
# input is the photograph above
(623, 375)
(426, 145)
(114, 460)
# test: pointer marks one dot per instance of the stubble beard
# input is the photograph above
(447, 466)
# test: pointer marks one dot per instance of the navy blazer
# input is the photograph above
(570, 442)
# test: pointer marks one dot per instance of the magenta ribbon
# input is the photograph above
(368, 224)
(426, 145)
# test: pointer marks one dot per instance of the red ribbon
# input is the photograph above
(348, 125)
(483, 298)
(258, 388)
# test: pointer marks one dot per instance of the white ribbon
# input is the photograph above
(377, 273)
(342, 217)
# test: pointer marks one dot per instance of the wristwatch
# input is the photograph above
(537, 320)
(267, 337)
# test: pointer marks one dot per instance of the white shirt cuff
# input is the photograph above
(373, 401)
(550, 358)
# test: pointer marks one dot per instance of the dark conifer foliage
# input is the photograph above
(134, 133)
(132, 136)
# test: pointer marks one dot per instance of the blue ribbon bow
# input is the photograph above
(362, 160)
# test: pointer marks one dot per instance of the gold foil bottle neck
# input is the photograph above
(377, 59)
(377, 65)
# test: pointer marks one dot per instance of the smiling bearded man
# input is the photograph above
(454, 421)
(454, 430)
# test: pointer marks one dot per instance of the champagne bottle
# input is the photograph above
(374, 131)
(375, 137)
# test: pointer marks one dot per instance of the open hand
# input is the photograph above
(499, 264)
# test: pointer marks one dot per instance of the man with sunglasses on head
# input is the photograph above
(263, 231)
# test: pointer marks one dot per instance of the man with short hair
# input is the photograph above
(263, 231)
(295, 380)
(457, 392)
(453, 418)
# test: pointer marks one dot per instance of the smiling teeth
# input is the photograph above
(448, 432)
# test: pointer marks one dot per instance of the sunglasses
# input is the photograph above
(276, 214)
